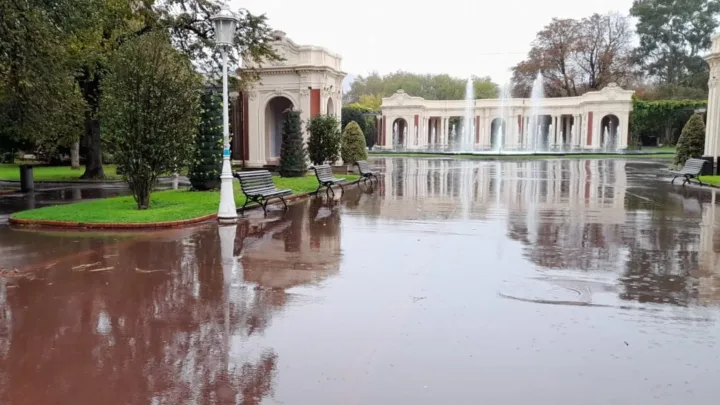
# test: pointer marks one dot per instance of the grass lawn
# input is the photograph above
(172, 205)
(714, 180)
(512, 157)
(668, 149)
(52, 173)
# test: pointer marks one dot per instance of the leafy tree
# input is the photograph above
(430, 87)
(324, 141)
(370, 101)
(149, 107)
(39, 102)
(576, 56)
(603, 50)
(692, 140)
(293, 156)
(353, 145)
(206, 164)
(191, 31)
(673, 35)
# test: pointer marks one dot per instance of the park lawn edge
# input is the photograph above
(45, 173)
(711, 180)
(168, 208)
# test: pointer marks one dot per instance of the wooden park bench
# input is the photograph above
(258, 187)
(366, 173)
(325, 179)
(691, 170)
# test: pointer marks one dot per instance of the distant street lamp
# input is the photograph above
(225, 23)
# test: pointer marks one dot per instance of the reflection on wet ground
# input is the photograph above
(460, 282)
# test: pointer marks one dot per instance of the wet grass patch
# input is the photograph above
(171, 205)
(11, 172)
(712, 180)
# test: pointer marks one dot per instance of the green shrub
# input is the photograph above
(353, 144)
(149, 111)
(692, 140)
(324, 141)
(206, 163)
(293, 156)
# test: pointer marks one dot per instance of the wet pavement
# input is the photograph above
(458, 282)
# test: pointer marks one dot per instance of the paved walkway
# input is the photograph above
(458, 282)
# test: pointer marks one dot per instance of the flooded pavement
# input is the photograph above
(459, 282)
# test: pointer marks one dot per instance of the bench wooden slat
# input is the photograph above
(691, 170)
(365, 170)
(325, 178)
(259, 187)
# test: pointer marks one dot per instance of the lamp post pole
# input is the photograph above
(225, 23)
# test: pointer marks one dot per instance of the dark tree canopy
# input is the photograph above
(673, 35)
(61, 49)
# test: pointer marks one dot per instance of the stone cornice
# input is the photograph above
(284, 70)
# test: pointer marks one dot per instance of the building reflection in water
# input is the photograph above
(605, 218)
(166, 322)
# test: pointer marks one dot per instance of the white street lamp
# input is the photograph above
(225, 23)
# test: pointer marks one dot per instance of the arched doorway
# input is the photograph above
(273, 125)
(609, 126)
(399, 133)
(330, 107)
(498, 131)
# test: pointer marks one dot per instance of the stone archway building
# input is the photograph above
(309, 79)
(574, 122)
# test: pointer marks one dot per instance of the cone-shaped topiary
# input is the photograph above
(206, 163)
(692, 140)
(353, 144)
(293, 156)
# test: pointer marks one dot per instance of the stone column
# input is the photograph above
(446, 130)
(388, 135)
(578, 130)
(712, 129)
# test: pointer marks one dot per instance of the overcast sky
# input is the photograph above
(458, 37)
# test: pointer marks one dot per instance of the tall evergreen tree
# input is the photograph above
(206, 164)
(293, 155)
